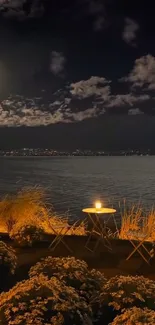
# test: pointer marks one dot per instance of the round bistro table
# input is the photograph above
(97, 226)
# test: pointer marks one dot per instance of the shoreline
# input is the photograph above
(74, 156)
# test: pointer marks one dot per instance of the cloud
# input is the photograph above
(55, 103)
(74, 103)
(88, 113)
(143, 73)
(37, 9)
(21, 9)
(126, 99)
(130, 31)
(13, 4)
(135, 111)
(20, 111)
(67, 100)
(99, 88)
(95, 86)
(12, 9)
(28, 9)
(99, 23)
(96, 10)
(57, 62)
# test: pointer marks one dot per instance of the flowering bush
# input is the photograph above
(73, 271)
(26, 235)
(128, 291)
(8, 257)
(40, 300)
(135, 316)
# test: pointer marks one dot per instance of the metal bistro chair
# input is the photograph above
(60, 232)
(138, 241)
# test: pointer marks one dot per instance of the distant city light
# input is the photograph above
(78, 152)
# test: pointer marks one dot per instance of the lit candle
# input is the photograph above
(98, 205)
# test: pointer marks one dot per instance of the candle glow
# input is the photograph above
(98, 205)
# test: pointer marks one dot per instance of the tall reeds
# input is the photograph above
(31, 206)
(136, 219)
(27, 206)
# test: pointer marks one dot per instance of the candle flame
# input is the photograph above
(98, 205)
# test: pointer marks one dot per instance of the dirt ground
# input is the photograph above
(111, 262)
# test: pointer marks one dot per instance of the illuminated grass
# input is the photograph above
(31, 206)
(136, 219)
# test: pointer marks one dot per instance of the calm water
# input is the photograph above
(76, 182)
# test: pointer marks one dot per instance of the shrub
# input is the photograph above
(8, 257)
(27, 235)
(128, 291)
(73, 271)
(135, 316)
(40, 300)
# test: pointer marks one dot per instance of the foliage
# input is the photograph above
(27, 235)
(31, 205)
(27, 204)
(148, 226)
(128, 291)
(74, 272)
(8, 257)
(40, 300)
(130, 220)
(135, 316)
(135, 219)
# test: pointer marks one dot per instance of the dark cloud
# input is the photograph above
(21, 9)
(130, 31)
(57, 63)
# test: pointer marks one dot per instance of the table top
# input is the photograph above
(99, 211)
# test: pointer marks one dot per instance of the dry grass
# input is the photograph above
(31, 206)
(136, 219)
(26, 206)
(131, 218)
(149, 225)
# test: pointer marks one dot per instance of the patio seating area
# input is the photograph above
(96, 236)
(99, 234)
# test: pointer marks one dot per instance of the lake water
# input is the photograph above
(76, 182)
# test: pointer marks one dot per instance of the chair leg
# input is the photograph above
(59, 238)
(99, 238)
(137, 248)
(149, 252)
(58, 242)
(88, 241)
(55, 240)
(96, 245)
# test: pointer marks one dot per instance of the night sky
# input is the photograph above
(77, 74)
